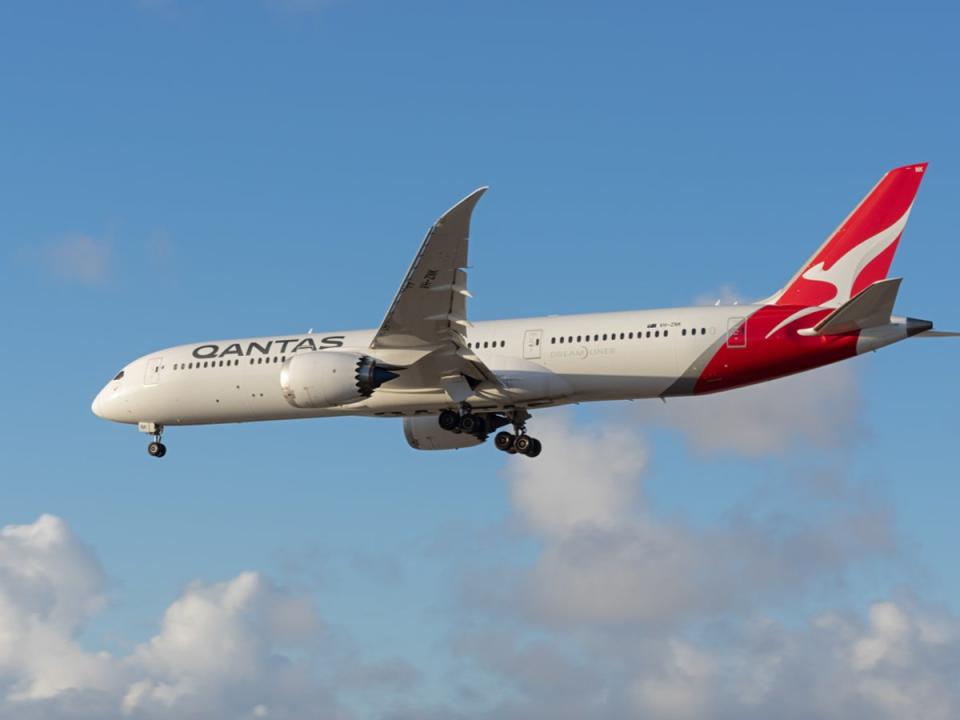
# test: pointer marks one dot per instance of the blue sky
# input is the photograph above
(175, 171)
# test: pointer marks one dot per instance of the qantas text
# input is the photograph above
(292, 345)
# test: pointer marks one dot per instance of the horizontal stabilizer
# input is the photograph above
(937, 334)
(872, 307)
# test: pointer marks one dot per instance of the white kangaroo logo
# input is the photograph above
(845, 271)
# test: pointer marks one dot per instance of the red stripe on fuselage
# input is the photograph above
(783, 353)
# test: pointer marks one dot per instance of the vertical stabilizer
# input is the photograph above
(860, 251)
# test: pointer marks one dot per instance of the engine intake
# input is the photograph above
(328, 378)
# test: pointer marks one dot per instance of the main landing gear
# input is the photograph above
(513, 443)
(156, 448)
(481, 424)
(518, 441)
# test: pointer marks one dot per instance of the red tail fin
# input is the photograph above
(860, 251)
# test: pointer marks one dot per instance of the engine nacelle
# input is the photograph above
(423, 432)
(329, 378)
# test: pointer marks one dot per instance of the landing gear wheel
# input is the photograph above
(523, 443)
(157, 449)
(535, 447)
(449, 420)
(503, 441)
(473, 424)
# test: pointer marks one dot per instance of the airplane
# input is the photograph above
(454, 383)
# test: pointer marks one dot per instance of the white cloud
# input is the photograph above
(607, 558)
(818, 670)
(50, 586)
(653, 617)
(563, 490)
(680, 688)
(81, 258)
(818, 409)
(226, 649)
(218, 643)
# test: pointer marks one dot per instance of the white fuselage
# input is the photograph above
(620, 355)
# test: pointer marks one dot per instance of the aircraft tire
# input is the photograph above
(449, 420)
(473, 424)
(535, 448)
(523, 443)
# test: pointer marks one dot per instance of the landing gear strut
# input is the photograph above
(156, 448)
(518, 441)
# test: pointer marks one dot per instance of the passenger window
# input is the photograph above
(561, 339)
(578, 338)
(656, 333)
(596, 338)
(648, 333)
(621, 336)
(630, 336)
(666, 332)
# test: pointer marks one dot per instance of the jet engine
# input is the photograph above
(423, 432)
(329, 378)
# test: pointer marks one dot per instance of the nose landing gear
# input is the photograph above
(156, 448)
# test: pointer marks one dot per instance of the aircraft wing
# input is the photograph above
(429, 312)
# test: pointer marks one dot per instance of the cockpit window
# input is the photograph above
(119, 375)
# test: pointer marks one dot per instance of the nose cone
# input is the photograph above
(110, 403)
(97, 403)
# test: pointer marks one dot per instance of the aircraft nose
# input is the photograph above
(97, 405)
